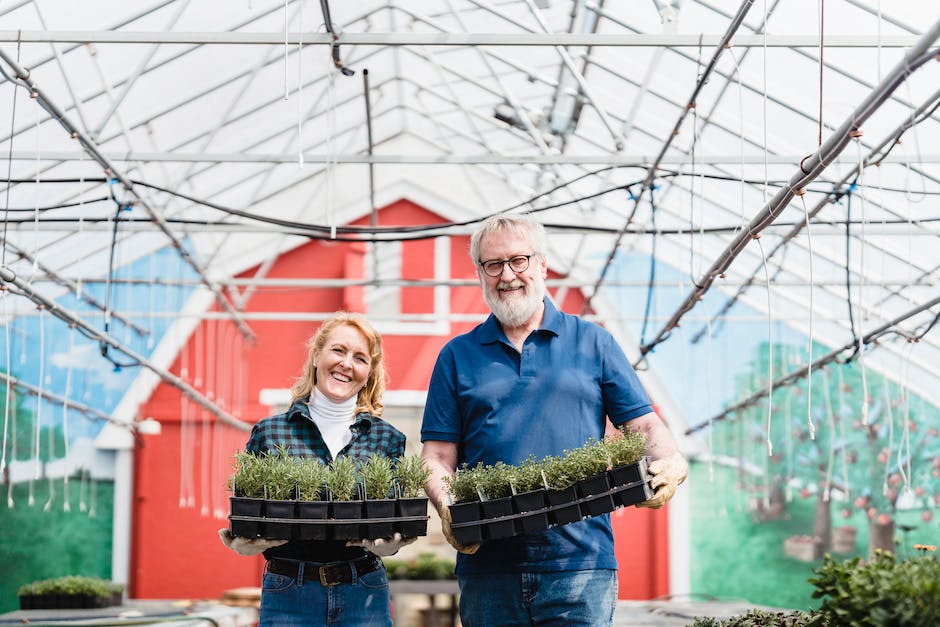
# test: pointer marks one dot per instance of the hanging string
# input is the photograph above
(66, 506)
(860, 348)
(788, 442)
(809, 343)
(842, 420)
(8, 386)
(884, 457)
(11, 395)
(904, 461)
(37, 473)
(830, 416)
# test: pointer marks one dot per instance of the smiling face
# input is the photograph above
(515, 298)
(343, 364)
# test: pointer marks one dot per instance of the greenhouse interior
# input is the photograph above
(740, 194)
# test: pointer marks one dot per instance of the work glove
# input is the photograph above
(383, 546)
(469, 549)
(667, 473)
(247, 546)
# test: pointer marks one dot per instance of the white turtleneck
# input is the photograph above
(333, 420)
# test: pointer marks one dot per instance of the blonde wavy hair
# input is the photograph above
(370, 396)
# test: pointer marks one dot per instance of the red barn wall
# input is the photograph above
(175, 550)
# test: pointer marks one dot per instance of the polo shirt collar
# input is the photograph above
(491, 331)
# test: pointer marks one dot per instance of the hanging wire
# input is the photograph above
(811, 338)
(831, 421)
(66, 506)
(861, 282)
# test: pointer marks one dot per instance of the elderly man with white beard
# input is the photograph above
(534, 381)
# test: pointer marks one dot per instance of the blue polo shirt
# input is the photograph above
(499, 404)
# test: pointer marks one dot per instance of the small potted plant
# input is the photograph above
(589, 463)
(342, 479)
(495, 500)
(411, 479)
(280, 485)
(465, 510)
(311, 506)
(528, 496)
(247, 501)
(559, 476)
(378, 478)
(628, 464)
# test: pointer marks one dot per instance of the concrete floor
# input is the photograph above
(675, 613)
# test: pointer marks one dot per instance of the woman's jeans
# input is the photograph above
(580, 597)
(363, 603)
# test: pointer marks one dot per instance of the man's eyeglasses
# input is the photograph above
(494, 267)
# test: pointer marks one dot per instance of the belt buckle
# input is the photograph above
(322, 571)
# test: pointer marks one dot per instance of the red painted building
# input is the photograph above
(180, 499)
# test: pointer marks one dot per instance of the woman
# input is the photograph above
(335, 409)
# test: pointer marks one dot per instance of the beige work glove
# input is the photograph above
(383, 546)
(667, 473)
(469, 549)
(247, 546)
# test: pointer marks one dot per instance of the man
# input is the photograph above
(531, 380)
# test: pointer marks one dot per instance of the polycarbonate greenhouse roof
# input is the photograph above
(784, 142)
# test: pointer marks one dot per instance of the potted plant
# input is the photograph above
(311, 506)
(342, 479)
(559, 476)
(247, 486)
(411, 479)
(280, 486)
(378, 478)
(72, 591)
(589, 464)
(495, 502)
(465, 510)
(628, 464)
(528, 496)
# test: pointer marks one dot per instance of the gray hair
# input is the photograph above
(520, 225)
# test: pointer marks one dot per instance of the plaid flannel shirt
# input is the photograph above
(296, 430)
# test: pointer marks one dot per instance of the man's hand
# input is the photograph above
(247, 546)
(383, 546)
(469, 549)
(667, 473)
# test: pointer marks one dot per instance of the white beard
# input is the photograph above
(515, 312)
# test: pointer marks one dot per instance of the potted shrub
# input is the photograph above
(247, 486)
(559, 476)
(495, 502)
(528, 496)
(280, 487)
(589, 464)
(411, 479)
(628, 463)
(465, 511)
(342, 479)
(311, 505)
(378, 478)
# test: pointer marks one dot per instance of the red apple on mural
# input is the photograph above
(846, 512)
(805, 493)
(861, 501)
(926, 515)
(919, 490)
(871, 513)
(894, 478)
(883, 519)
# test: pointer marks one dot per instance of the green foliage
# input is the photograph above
(248, 479)
(378, 476)
(425, 566)
(626, 448)
(412, 475)
(71, 584)
(281, 474)
(560, 472)
(343, 478)
(494, 480)
(882, 591)
(757, 618)
(588, 460)
(527, 476)
(311, 477)
(462, 485)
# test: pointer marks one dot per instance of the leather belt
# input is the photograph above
(329, 574)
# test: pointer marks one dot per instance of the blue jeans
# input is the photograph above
(363, 603)
(580, 597)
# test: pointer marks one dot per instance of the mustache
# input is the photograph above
(509, 285)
